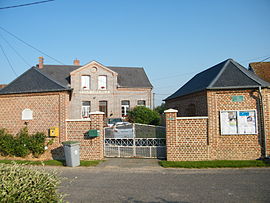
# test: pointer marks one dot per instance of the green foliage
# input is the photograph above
(22, 144)
(24, 184)
(37, 144)
(6, 143)
(215, 164)
(144, 115)
(160, 109)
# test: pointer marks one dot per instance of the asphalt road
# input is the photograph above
(156, 184)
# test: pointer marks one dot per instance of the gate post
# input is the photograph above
(97, 123)
(171, 132)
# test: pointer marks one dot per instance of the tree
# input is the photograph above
(160, 109)
(144, 115)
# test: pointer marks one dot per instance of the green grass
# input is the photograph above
(50, 162)
(215, 164)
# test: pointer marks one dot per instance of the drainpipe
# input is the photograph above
(262, 122)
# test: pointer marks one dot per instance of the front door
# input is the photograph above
(103, 107)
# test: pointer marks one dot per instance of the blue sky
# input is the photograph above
(171, 39)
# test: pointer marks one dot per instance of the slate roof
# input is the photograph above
(57, 78)
(127, 76)
(262, 69)
(131, 77)
(33, 80)
(226, 75)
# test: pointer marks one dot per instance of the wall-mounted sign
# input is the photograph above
(238, 98)
(238, 122)
(27, 114)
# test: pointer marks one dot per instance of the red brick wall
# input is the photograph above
(90, 149)
(183, 142)
(49, 110)
(186, 138)
(231, 147)
(184, 104)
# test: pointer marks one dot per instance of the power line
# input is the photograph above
(254, 59)
(10, 65)
(18, 54)
(265, 59)
(29, 4)
(31, 46)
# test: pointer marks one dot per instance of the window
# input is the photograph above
(141, 102)
(102, 82)
(85, 82)
(238, 122)
(103, 107)
(125, 105)
(86, 109)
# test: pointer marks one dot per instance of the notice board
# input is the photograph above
(238, 122)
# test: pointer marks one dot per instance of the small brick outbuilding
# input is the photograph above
(221, 113)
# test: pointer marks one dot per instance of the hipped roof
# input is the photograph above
(226, 75)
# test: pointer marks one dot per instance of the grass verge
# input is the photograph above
(50, 162)
(215, 164)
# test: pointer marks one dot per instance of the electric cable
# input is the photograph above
(18, 54)
(8, 60)
(38, 50)
(28, 4)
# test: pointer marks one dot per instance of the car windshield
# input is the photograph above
(114, 120)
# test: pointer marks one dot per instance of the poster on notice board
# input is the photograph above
(238, 122)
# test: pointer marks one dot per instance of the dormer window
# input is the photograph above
(85, 82)
(102, 82)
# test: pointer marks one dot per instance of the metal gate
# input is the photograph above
(135, 140)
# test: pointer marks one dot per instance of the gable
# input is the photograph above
(32, 81)
(91, 66)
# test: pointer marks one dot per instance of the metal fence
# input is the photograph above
(135, 140)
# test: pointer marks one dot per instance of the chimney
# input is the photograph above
(76, 62)
(40, 62)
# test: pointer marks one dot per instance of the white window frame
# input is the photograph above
(141, 104)
(237, 122)
(85, 82)
(102, 82)
(125, 107)
(85, 110)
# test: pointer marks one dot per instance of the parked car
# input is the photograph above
(116, 121)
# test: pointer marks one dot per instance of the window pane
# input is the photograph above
(125, 107)
(141, 102)
(86, 109)
(125, 102)
(102, 82)
(85, 82)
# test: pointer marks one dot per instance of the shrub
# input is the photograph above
(24, 184)
(6, 143)
(37, 144)
(144, 115)
(22, 144)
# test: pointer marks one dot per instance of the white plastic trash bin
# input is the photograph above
(72, 153)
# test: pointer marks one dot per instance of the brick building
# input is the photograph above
(261, 69)
(223, 113)
(74, 99)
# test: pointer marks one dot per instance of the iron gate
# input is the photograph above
(135, 140)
